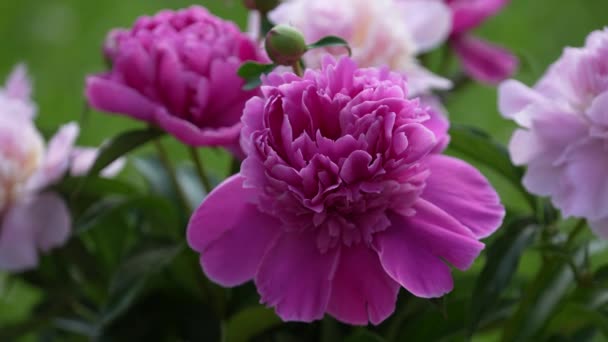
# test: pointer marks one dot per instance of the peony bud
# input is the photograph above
(262, 6)
(285, 45)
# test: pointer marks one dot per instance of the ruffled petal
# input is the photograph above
(583, 189)
(412, 250)
(362, 292)
(464, 193)
(296, 278)
(230, 233)
(514, 96)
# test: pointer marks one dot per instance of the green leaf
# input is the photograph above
(159, 180)
(363, 335)
(479, 146)
(502, 257)
(121, 145)
(249, 323)
(130, 279)
(251, 72)
(331, 41)
(155, 209)
(543, 296)
(93, 186)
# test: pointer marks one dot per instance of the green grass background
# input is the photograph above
(60, 42)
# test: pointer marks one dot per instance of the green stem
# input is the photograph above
(580, 226)
(164, 159)
(200, 170)
(297, 68)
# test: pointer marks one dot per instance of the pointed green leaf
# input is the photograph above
(479, 146)
(544, 294)
(250, 322)
(121, 145)
(130, 279)
(251, 72)
(503, 256)
(331, 41)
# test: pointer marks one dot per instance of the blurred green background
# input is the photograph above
(60, 42)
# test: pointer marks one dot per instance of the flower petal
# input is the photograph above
(464, 193)
(429, 22)
(18, 84)
(514, 96)
(412, 249)
(83, 158)
(230, 233)
(104, 94)
(57, 158)
(483, 61)
(468, 14)
(186, 132)
(583, 189)
(296, 278)
(362, 292)
(42, 223)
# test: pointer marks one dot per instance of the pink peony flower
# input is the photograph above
(564, 131)
(380, 32)
(178, 70)
(32, 219)
(343, 198)
(481, 60)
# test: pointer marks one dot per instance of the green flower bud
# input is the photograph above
(285, 45)
(263, 6)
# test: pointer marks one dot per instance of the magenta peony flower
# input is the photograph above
(342, 199)
(481, 60)
(564, 134)
(178, 70)
(380, 32)
(32, 219)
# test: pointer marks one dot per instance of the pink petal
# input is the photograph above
(583, 187)
(468, 14)
(483, 61)
(412, 250)
(18, 84)
(230, 233)
(186, 132)
(598, 111)
(438, 122)
(57, 158)
(362, 292)
(295, 278)
(113, 97)
(41, 223)
(429, 22)
(464, 193)
(514, 96)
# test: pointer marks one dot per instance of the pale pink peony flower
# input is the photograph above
(32, 219)
(380, 32)
(481, 60)
(564, 131)
(343, 198)
(178, 70)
